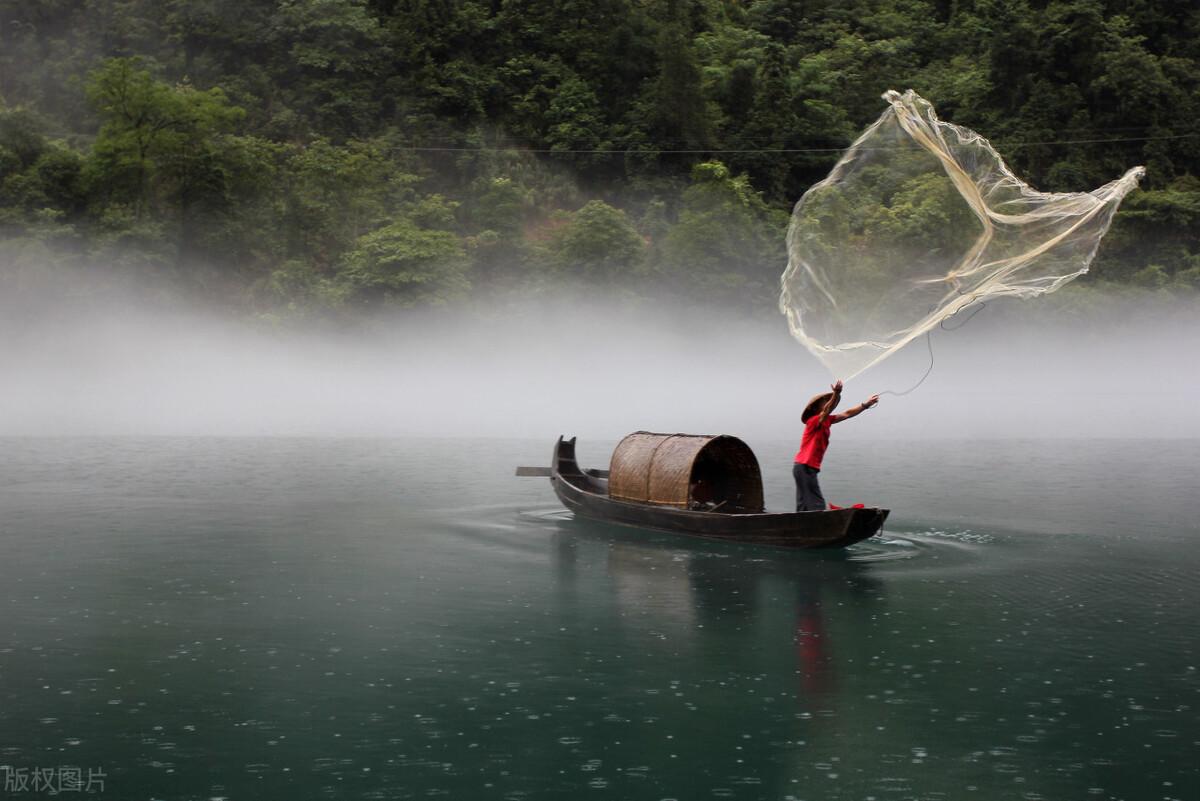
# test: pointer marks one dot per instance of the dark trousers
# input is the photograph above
(808, 491)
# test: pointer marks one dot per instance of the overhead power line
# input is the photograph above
(714, 151)
(499, 140)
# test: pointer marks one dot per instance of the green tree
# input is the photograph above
(334, 54)
(162, 150)
(497, 210)
(158, 144)
(402, 264)
(727, 245)
(39, 178)
(598, 244)
(333, 194)
(672, 113)
(576, 124)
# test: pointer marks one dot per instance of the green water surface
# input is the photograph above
(324, 618)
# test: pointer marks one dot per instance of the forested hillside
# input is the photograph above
(301, 157)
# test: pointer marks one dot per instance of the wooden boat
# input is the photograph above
(698, 485)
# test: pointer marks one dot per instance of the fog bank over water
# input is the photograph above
(596, 369)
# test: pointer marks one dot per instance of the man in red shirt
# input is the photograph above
(818, 417)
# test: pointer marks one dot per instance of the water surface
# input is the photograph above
(324, 618)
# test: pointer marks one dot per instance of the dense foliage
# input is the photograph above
(295, 156)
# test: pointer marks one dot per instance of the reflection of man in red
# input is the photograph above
(812, 655)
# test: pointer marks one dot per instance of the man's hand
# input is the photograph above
(827, 409)
(870, 402)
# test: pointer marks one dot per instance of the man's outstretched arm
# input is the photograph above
(857, 410)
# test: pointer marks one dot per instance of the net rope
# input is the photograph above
(918, 220)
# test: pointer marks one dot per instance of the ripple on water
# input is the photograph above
(548, 516)
(503, 528)
(884, 548)
(935, 544)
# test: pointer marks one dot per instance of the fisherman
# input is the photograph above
(818, 417)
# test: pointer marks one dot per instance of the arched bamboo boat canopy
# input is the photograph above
(685, 471)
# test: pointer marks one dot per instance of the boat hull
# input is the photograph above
(587, 496)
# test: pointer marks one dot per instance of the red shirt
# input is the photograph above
(815, 440)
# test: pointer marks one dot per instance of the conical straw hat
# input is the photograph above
(814, 405)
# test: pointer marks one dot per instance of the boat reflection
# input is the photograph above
(721, 601)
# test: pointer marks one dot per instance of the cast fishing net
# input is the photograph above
(918, 220)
